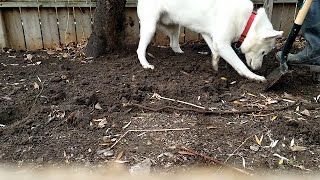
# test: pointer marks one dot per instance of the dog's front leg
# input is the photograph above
(228, 54)
(214, 51)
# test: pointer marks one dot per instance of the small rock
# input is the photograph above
(255, 148)
(306, 113)
(106, 152)
(142, 168)
(39, 160)
(98, 106)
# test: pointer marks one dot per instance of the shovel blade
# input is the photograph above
(273, 78)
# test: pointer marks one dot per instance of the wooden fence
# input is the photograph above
(46, 24)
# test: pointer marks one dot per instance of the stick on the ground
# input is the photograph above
(146, 130)
(214, 160)
(155, 95)
(218, 112)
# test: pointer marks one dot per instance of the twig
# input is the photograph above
(214, 160)
(155, 95)
(35, 100)
(208, 111)
(146, 130)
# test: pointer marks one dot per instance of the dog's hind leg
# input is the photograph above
(173, 31)
(214, 51)
(147, 30)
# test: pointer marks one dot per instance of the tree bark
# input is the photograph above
(108, 28)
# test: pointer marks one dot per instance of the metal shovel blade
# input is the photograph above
(273, 77)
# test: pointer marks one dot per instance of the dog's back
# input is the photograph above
(200, 15)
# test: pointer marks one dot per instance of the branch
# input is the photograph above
(217, 112)
(214, 160)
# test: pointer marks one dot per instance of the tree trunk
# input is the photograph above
(108, 28)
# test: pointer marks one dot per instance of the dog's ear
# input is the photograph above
(272, 34)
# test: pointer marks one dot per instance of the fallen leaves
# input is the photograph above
(36, 86)
(29, 57)
(101, 122)
(258, 141)
(295, 148)
(306, 113)
(98, 106)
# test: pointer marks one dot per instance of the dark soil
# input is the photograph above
(49, 112)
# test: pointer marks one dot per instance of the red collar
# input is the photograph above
(246, 29)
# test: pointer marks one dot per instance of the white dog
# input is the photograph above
(220, 23)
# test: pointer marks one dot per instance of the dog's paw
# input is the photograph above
(260, 79)
(177, 50)
(148, 66)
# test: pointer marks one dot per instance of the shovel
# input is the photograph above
(276, 74)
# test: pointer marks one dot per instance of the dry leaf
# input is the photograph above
(203, 52)
(259, 141)
(280, 162)
(97, 106)
(65, 55)
(292, 143)
(255, 148)
(271, 101)
(29, 57)
(50, 52)
(251, 95)
(306, 113)
(274, 118)
(7, 98)
(120, 162)
(297, 148)
(102, 122)
(186, 153)
(288, 96)
(274, 143)
(151, 55)
(71, 117)
(127, 125)
(36, 85)
(317, 99)
(119, 156)
(211, 127)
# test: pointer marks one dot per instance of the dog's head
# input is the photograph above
(260, 40)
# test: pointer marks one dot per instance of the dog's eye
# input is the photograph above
(263, 53)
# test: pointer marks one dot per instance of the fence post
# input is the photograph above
(269, 8)
(3, 35)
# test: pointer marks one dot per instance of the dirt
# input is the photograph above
(61, 111)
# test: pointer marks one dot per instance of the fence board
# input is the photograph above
(31, 27)
(83, 23)
(67, 30)
(161, 38)
(285, 17)
(3, 34)
(182, 35)
(132, 26)
(190, 35)
(14, 28)
(49, 28)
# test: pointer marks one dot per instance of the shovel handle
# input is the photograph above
(293, 34)
(303, 12)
